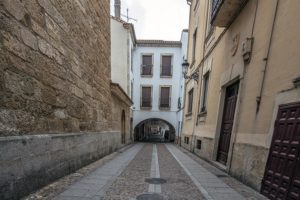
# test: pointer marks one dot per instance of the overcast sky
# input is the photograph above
(156, 19)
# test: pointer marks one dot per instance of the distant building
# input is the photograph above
(243, 113)
(158, 88)
(123, 41)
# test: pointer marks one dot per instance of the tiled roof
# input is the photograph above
(158, 43)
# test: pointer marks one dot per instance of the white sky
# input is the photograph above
(156, 19)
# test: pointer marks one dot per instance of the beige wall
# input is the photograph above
(252, 131)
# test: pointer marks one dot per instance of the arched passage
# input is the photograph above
(154, 130)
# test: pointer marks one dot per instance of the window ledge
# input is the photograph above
(163, 76)
(164, 108)
(202, 114)
(146, 76)
(145, 108)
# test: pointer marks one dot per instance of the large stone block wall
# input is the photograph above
(54, 66)
(248, 164)
(29, 162)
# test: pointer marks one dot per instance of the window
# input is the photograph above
(166, 66)
(209, 27)
(194, 44)
(205, 91)
(186, 140)
(146, 100)
(199, 143)
(190, 101)
(165, 98)
(146, 68)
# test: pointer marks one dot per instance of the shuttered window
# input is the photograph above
(166, 66)
(165, 98)
(190, 98)
(146, 68)
(146, 97)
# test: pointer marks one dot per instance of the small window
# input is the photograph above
(205, 91)
(146, 68)
(194, 44)
(199, 143)
(190, 101)
(146, 100)
(186, 140)
(165, 97)
(166, 66)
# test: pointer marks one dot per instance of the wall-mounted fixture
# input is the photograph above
(247, 49)
(194, 76)
(296, 82)
(189, 2)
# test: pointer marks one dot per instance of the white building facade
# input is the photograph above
(158, 88)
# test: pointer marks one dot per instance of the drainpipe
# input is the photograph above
(266, 59)
(241, 91)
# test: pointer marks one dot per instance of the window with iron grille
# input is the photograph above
(166, 66)
(194, 44)
(199, 144)
(186, 140)
(190, 100)
(146, 99)
(165, 98)
(146, 68)
(205, 91)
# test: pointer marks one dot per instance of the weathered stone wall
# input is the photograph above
(30, 162)
(248, 164)
(54, 66)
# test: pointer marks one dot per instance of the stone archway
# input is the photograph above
(154, 130)
(123, 128)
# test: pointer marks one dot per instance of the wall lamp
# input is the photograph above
(194, 76)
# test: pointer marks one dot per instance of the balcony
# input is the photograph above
(224, 11)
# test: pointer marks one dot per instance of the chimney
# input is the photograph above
(118, 9)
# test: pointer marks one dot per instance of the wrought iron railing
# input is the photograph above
(215, 7)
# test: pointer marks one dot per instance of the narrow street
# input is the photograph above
(151, 171)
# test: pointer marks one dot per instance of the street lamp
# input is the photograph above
(194, 75)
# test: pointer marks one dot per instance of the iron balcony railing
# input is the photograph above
(215, 7)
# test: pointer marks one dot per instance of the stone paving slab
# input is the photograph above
(247, 192)
(209, 185)
(100, 178)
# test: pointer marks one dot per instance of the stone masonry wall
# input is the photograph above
(54, 66)
(35, 160)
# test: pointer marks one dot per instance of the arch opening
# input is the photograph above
(154, 130)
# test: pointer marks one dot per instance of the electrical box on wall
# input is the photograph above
(247, 49)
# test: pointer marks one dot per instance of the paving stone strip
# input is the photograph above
(209, 185)
(244, 190)
(154, 188)
(93, 185)
(179, 185)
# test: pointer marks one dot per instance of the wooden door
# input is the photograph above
(282, 174)
(227, 122)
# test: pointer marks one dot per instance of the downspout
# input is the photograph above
(189, 3)
(241, 88)
(266, 59)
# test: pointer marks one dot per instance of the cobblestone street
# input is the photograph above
(148, 171)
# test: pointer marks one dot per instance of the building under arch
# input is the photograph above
(154, 130)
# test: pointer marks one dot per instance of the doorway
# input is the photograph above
(123, 128)
(227, 122)
(282, 175)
